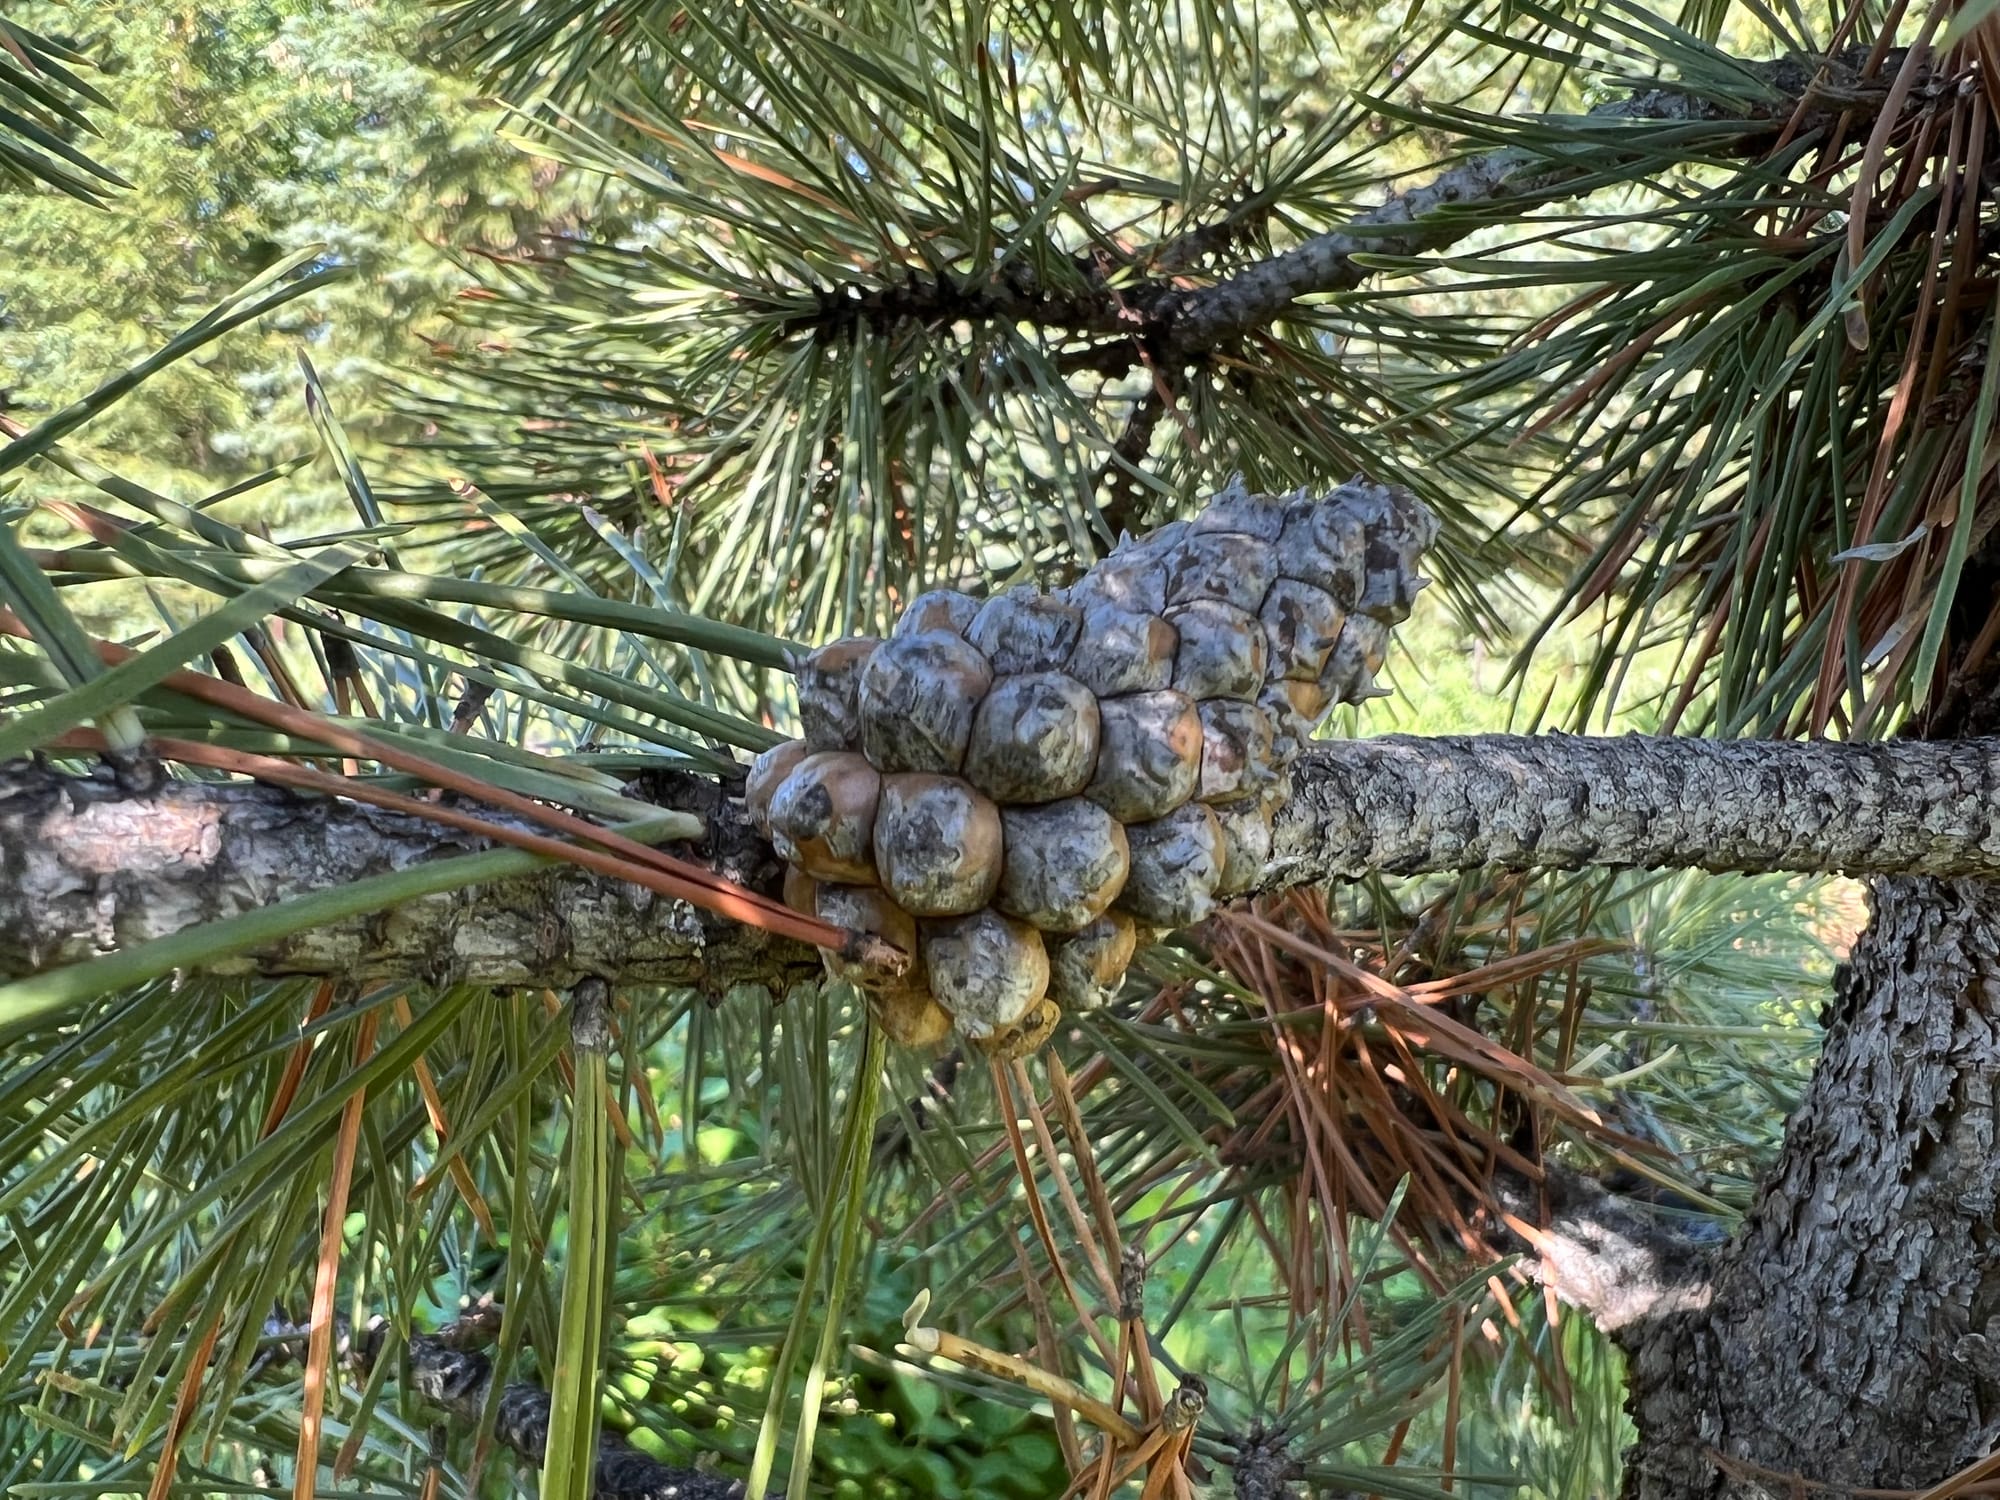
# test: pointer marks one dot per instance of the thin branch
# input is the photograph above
(937, 298)
(1417, 220)
(1161, 318)
(1118, 477)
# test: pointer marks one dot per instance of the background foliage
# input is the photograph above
(246, 134)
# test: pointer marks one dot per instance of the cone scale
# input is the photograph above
(1044, 778)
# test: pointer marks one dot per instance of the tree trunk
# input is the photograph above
(1853, 1334)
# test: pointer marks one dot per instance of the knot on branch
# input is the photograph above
(1602, 1253)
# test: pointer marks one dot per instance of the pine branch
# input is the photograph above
(86, 865)
(1413, 222)
(1161, 319)
(1405, 805)
(940, 298)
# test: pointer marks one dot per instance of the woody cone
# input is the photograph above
(1017, 790)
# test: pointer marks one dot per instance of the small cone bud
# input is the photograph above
(1301, 625)
(767, 773)
(1034, 738)
(1123, 651)
(829, 682)
(1246, 844)
(1066, 863)
(986, 969)
(941, 609)
(1086, 967)
(823, 817)
(1237, 745)
(1227, 566)
(1222, 652)
(1176, 863)
(1025, 631)
(903, 1006)
(937, 844)
(918, 696)
(1148, 755)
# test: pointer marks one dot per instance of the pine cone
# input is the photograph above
(1011, 790)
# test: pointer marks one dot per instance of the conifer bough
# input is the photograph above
(1019, 818)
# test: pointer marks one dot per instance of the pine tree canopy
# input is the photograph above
(998, 748)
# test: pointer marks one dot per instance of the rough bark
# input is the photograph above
(85, 866)
(1853, 1338)
(1403, 805)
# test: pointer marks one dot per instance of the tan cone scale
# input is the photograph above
(1013, 791)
